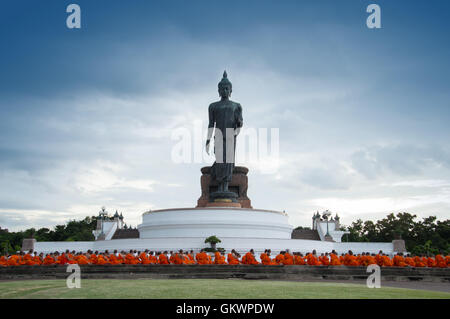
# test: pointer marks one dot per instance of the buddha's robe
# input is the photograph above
(334, 260)
(370, 260)
(288, 259)
(120, 259)
(440, 261)
(342, 260)
(298, 260)
(163, 260)
(312, 260)
(232, 260)
(48, 260)
(279, 259)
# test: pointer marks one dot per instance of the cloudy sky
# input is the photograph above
(87, 115)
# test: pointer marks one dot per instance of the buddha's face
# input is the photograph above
(225, 91)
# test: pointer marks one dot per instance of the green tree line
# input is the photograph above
(73, 230)
(426, 236)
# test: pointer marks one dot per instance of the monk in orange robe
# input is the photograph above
(162, 259)
(324, 260)
(312, 260)
(440, 261)
(232, 259)
(418, 262)
(250, 258)
(191, 257)
(431, 262)
(144, 259)
(279, 258)
(3, 261)
(410, 261)
(82, 259)
(266, 260)
(288, 259)
(130, 259)
(101, 260)
(203, 258)
(447, 260)
(49, 260)
(28, 259)
(298, 259)
(350, 260)
(219, 259)
(399, 261)
(61, 259)
(334, 260)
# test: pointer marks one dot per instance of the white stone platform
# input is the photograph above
(219, 221)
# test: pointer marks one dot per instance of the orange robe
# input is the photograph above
(163, 260)
(82, 260)
(3, 261)
(61, 260)
(14, 260)
(288, 259)
(232, 260)
(250, 259)
(93, 259)
(131, 260)
(324, 260)
(144, 259)
(28, 259)
(399, 261)
(101, 260)
(48, 260)
(312, 260)
(440, 261)
(418, 262)
(350, 260)
(334, 260)
(410, 262)
(298, 260)
(219, 259)
(279, 259)
(265, 260)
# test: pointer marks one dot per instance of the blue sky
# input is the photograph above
(86, 115)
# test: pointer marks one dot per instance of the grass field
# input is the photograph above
(202, 288)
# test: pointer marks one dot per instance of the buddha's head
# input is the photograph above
(225, 87)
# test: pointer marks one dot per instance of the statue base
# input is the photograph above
(223, 197)
(238, 185)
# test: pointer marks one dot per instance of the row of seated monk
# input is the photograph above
(134, 257)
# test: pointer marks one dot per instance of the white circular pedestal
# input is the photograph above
(222, 222)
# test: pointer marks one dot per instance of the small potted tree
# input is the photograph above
(213, 241)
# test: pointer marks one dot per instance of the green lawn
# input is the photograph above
(202, 288)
